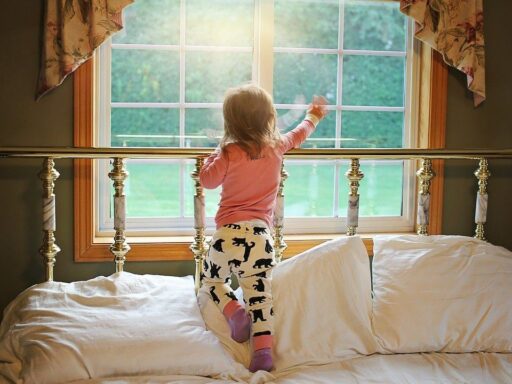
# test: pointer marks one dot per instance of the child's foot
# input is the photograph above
(261, 360)
(240, 324)
(239, 321)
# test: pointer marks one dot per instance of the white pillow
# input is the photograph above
(322, 306)
(124, 324)
(442, 293)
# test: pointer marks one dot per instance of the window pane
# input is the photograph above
(309, 189)
(372, 129)
(322, 137)
(380, 190)
(300, 76)
(206, 125)
(210, 74)
(374, 26)
(152, 188)
(220, 22)
(373, 80)
(212, 196)
(145, 76)
(306, 24)
(144, 127)
(150, 22)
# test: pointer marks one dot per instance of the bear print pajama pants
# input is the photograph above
(244, 249)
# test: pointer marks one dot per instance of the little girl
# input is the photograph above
(248, 166)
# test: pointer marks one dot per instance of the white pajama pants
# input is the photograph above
(244, 249)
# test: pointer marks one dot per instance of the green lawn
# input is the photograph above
(153, 190)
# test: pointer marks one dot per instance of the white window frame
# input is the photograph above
(262, 73)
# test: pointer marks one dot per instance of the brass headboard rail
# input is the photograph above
(190, 153)
(119, 248)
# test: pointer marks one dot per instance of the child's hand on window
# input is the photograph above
(318, 107)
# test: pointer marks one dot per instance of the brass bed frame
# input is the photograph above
(120, 247)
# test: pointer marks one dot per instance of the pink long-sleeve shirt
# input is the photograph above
(249, 187)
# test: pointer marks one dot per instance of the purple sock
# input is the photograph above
(239, 321)
(261, 360)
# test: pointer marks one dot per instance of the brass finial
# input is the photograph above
(199, 247)
(119, 247)
(425, 174)
(354, 175)
(482, 174)
(49, 249)
(279, 243)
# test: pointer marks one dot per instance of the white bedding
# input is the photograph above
(322, 305)
(126, 328)
(124, 324)
(425, 368)
(458, 286)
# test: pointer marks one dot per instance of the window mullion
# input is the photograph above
(182, 73)
(339, 94)
(263, 72)
(182, 104)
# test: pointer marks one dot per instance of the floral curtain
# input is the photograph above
(72, 30)
(455, 29)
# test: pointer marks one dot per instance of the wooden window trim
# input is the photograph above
(432, 120)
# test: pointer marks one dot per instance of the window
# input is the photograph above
(160, 82)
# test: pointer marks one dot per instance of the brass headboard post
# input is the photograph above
(48, 175)
(279, 244)
(482, 174)
(425, 175)
(354, 176)
(49, 249)
(119, 247)
(199, 246)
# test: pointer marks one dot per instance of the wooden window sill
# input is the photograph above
(178, 248)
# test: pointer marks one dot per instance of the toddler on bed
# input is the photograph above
(248, 166)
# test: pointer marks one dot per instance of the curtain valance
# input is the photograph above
(455, 28)
(74, 28)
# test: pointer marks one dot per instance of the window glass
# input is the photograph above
(306, 23)
(376, 26)
(209, 74)
(370, 129)
(145, 75)
(151, 188)
(299, 76)
(144, 127)
(373, 80)
(309, 189)
(203, 127)
(150, 22)
(220, 22)
(166, 86)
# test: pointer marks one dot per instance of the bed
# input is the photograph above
(423, 309)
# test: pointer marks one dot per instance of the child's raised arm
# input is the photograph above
(317, 110)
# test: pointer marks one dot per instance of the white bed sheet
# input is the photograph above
(477, 368)
(431, 368)
(123, 324)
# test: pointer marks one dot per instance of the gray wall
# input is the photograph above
(50, 122)
(488, 126)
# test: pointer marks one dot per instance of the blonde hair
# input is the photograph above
(249, 119)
